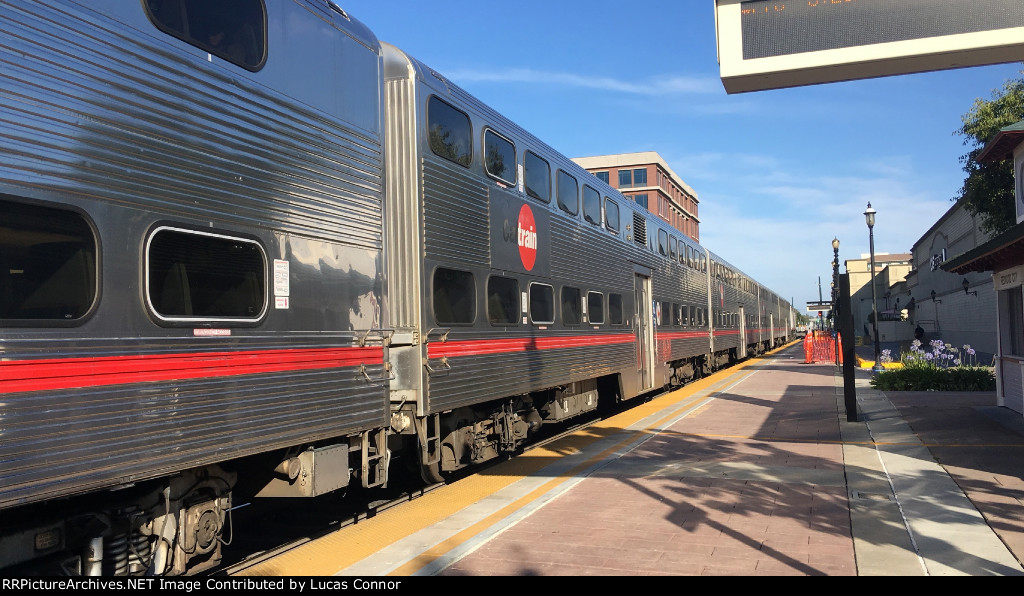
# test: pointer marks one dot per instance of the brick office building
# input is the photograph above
(648, 180)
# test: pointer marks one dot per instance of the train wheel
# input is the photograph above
(431, 473)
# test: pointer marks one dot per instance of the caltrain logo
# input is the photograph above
(527, 237)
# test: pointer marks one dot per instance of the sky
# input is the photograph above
(778, 173)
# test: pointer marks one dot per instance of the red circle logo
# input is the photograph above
(527, 237)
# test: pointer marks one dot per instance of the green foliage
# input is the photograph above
(988, 189)
(944, 368)
(935, 379)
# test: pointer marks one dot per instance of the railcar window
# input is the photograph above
(500, 157)
(234, 30)
(591, 205)
(677, 315)
(47, 263)
(611, 215)
(454, 295)
(568, 193)
(672, 248)
(503, 300)
(572, 306)
(197, 275)
(663, 242)
(595, 307)
(542, 304)
(665, 314)
(538, 177)
(615, 309)
(449, 132)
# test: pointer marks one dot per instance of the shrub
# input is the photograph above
(944, 368)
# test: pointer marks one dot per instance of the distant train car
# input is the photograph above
(231, 271)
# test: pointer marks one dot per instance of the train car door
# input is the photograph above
(644, 331)
(741, 350)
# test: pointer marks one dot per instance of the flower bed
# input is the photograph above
(943, 368)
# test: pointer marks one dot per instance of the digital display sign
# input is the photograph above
(768, 44)
(774, 28)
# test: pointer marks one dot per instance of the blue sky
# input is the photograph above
(778, 173)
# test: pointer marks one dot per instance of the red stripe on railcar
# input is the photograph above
(502, 346)
(71, 373)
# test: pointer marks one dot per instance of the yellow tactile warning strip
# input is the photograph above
(333, 553)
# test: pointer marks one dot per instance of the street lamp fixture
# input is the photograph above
(967, 290)
(869, 217)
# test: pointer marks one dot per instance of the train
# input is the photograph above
(248, 250)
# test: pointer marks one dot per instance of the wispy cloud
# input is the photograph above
(669, 85)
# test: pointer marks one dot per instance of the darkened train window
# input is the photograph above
(663, 242)
(591, 205)
(595, 307)
(677, 315)
(503, 300)
(611, 215)
(572, 306)
(449, 132)
(538, 177)
(234, 30)
(542, 304)
(672, 248)
(615, 309)
(568, 193)
(500, 157)
(454, 297)
(203, 276)
(47, 263)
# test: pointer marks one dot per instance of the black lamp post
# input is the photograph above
(869, 216)
(835, 291)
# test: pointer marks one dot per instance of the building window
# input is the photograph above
(48, 261)
(602, 176)
(641, 199)
(503, 300)
(195, 275)
(625, 178)
(449, 132)
(233, 31)
(640, 177)
(1013, 332)
(568, 193)
(500, 157)
(591, 205)
(538, 177)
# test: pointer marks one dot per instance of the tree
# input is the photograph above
(988, 189)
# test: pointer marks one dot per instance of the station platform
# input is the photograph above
(756, 470)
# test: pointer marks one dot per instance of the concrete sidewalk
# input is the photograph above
(767, 477)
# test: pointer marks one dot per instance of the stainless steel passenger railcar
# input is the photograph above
(247, 250)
